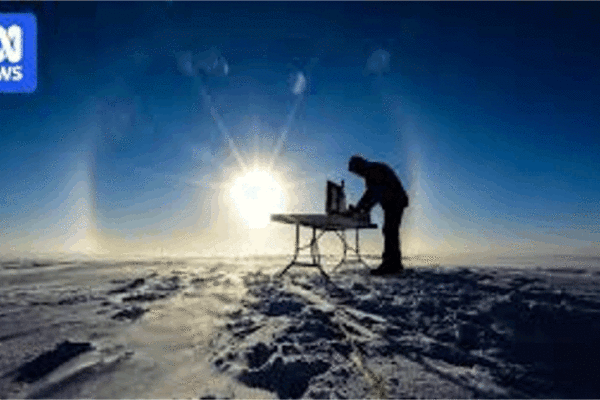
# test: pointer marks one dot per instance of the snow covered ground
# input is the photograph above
(229, 328)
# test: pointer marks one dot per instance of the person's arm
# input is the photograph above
(367, 201)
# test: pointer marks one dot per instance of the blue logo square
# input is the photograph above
(18, 53)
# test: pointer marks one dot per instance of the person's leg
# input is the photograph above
(391, 234)
(397, 242)
(392, 263)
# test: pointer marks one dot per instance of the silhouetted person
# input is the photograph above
(384, 188)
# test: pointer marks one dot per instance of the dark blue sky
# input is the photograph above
(488, 114)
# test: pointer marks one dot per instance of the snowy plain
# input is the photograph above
(230, 328)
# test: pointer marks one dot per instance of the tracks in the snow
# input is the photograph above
(343, 319)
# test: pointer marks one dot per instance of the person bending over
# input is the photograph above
(382, 187)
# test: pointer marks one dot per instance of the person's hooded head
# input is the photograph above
(357, 165)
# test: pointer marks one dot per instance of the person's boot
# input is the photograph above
(388, 267)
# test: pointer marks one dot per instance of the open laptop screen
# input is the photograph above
(336, 199)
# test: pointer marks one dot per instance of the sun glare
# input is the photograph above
(257, 195)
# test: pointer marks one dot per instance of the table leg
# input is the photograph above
(358, 247)
(314, 251)
(346, 247)
(297, 242)
(314, 248)
(342, 237)
(358, 250)
(296, 251)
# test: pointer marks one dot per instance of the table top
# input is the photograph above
(323, 221)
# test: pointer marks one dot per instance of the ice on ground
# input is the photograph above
(229, 328)
(460, 333)
(48, 361)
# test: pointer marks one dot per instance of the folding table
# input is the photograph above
(325, 223)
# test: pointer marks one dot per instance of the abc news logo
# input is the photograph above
(18, 53)
(11, 40)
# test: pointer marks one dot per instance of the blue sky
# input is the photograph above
(488, 114)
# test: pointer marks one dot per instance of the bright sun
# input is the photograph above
(257, 195)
